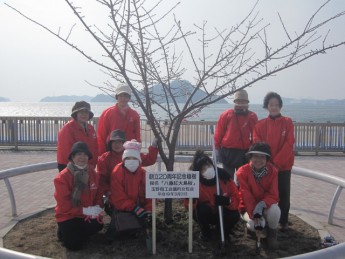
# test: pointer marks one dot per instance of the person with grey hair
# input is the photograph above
(119, 116)
(233, 134)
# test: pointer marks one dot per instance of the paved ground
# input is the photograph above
(310, 199)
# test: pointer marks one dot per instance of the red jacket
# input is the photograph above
(252, 192)
(72, 132)
(110, 159)
(207, 195)
(128, 189)
(112, 119)
(234, 131)
(279, 134)
(64, 182)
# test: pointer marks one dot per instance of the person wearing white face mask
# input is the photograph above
(78, 198)
(205, 211)
(127, 183)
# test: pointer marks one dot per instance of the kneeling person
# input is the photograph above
(206, 206)
(128, 186)
(78, 199)
(258, 182)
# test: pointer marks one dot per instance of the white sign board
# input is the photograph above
(163, 185)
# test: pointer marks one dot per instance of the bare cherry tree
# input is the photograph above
(138, 52)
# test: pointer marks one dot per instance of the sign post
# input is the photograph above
(162, 185)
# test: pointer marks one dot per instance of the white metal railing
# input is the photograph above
(331, 252)
(337, 181)
(8, 173)
(43, 131)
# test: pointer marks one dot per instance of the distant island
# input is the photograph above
(180, 88)
(3, 99)
(75, 98)
(291, 101)
(107, 98)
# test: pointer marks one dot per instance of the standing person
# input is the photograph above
(120, 116)
(259, 192)
(233, 134)
(108, 160)
(278, 132)
(128, 185)
(205, 210)
(78, 200)
(77, 129)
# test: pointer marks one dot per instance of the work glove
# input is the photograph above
(259, 209)
(140, 212)
(259, 223)
(92, 211)
(154, 142)
(221, 200)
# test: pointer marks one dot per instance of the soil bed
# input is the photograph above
(37, 235)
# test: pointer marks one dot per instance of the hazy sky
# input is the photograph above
(35, 64)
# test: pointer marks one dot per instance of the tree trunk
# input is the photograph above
(168, 211)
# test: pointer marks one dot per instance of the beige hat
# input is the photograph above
(123, 89)
(241, 95)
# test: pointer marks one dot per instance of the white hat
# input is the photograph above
(132, 149)
(123, 89)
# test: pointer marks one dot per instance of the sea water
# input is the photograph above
(297, 112)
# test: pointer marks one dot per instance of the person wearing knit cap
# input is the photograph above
(233, 134)
(128, 184)
(258, 187)
(78, 209)
(108, 160)
(77, 129)
(205, 207)
(120, 116)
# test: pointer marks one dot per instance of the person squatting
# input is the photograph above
(115, 184)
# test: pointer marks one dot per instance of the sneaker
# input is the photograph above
(329, 241)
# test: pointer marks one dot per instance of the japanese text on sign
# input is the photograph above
(172, 184)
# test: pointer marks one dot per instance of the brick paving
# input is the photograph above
(310, 199)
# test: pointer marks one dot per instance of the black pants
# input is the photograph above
(284, 186)
(206, 217)
(74, 232)
(232, 159)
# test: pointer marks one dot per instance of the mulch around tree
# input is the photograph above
(37, 235)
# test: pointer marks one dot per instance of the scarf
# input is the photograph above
(81, 179)
(258, 174)
(207, 182)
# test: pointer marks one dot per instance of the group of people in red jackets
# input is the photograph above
(258, 155)
(91, 165)
(257, 158)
